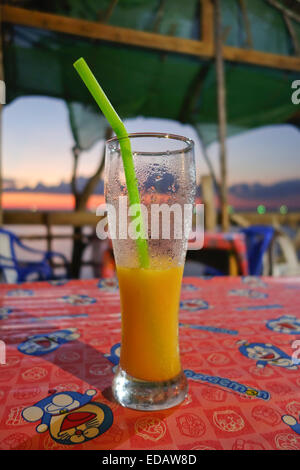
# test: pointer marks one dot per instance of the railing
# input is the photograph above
(83, 219)
(291, 219)
(51, 219)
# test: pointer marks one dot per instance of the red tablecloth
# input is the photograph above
(236, 337)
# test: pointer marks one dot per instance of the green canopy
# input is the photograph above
(150, 82)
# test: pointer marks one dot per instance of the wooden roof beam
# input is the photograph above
(131, 37)
(91, 29)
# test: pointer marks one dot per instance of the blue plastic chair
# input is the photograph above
(14, 270)
(258, 238)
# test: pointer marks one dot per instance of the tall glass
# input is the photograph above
(149, 375)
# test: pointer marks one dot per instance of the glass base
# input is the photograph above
(148, 396)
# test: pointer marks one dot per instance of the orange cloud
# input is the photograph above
(44, 201)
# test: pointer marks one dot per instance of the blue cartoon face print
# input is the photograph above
(266, 354)
(114, 356)
(70, 417)
(288, 324)
(109, 285)
(38, 345)
(78, 299)
(19, 293)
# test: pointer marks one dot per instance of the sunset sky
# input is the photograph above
(37, 142)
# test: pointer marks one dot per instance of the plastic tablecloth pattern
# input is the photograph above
(238, 339)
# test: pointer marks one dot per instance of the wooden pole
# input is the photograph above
(294, 16)
(208, 199)
(292, 33)
(222, 118)
(249, 39)
(104, 17)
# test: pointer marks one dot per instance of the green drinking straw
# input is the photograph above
(117, 125)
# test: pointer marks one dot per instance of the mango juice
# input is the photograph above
(150, 304)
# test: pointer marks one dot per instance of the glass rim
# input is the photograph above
(162, 135)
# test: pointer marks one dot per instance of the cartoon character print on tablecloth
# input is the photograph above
(4, 312)
(286, 441)
(41, 344)
(242, 444)
(16, 441)
(249, 293)
(266, 354)
(228, 420)
(114, 356)
(288, 324)
(109, 284)
(191, 425)
(266, 415)
(71, 417)
(193, 305)
(250, 308)
(69, 316)
(19, 293)
(189, 287)
(212, 329)
(78, 299)
(254, 281)
(227, 384)
(151, 428)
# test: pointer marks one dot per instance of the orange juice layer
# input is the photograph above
(150, 303)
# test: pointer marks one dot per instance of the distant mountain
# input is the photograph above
(61, 188)
(281, 189)
(241, 196)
